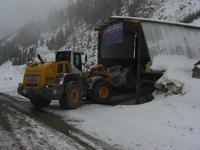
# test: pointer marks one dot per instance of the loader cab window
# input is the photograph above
(77, 61)
(63, 56)
(60, 69)
(67, 68)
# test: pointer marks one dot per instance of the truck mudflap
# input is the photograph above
(50, 92)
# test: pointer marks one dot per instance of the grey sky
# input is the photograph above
(15, 13)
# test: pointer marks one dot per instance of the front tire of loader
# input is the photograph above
(102, 92)
(72, 96)
(40, 103)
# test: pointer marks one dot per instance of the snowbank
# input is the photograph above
(178, 70)
(10, 76)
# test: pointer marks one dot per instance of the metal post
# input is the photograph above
(138, 82)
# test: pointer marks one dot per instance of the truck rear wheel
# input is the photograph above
(102, 92)
(72, 96)
(40, 103)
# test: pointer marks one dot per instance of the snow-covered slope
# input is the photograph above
(176, 10)
(81, 35)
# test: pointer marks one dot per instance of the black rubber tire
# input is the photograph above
(40, 103)
(67, 101)
(96, 92)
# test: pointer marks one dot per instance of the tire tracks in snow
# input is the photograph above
(56, 122)
(6, 126)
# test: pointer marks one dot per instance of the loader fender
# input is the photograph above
(71, 77)
(92, 80)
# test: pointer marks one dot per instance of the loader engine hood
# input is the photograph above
(39, 75)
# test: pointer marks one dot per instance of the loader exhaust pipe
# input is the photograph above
(40, 58)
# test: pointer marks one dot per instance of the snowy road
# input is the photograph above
(22, 127)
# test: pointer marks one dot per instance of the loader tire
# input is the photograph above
(102, 92)
(40, 103)
(72, 96)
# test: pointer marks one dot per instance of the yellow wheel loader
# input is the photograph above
(60, 80)
(64, 80)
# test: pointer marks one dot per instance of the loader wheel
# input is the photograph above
(40, 103)
(102, 92)
(72, 96)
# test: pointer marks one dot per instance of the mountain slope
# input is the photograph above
(73, 27)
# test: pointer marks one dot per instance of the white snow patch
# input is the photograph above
(10, 76)
(46, 54)
(178, 69)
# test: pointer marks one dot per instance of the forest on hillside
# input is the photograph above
(90, 12)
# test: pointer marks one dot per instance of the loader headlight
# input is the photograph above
(55, 92)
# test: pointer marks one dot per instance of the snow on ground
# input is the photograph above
(34, 135)
(19, 130)
(10, 76)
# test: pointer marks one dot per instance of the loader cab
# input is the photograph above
(63, 56)
(74, 59)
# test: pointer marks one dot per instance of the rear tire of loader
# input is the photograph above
(40, 103)
(72, 96)
(102, 92)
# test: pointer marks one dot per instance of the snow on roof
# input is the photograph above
(75, 51)
(154, 20)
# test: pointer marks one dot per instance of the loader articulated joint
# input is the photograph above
(92, 81)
